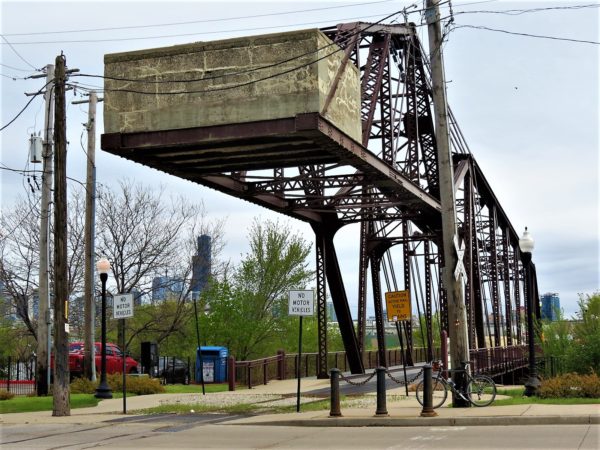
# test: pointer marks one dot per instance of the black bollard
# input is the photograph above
(381, 401)
(334, 410)
(427, 410)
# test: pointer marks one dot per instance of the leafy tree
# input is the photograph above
(248, 310)
(145, 234)
(583, 355)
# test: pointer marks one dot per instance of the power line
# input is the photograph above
(224, 88)
(14, 68)
(21, 112)
(480, 27)
(191, 22)
(518, 12)
(87, 41)
(18, 54)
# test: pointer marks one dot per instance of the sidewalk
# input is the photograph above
(402, 411)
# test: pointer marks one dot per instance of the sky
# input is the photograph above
(528, 107)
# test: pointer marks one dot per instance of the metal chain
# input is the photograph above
(360, 383)
(401, 382)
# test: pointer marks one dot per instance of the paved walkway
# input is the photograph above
(402, 411)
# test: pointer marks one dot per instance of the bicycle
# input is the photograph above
(481, 389)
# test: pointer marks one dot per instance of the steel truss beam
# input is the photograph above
(308, 169)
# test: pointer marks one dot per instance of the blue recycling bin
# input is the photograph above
(214, 364)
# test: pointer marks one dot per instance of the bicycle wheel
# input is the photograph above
(481, 390)
(440, 392)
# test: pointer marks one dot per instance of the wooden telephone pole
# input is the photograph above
(61, 401)
(457, 313)
(89, 366)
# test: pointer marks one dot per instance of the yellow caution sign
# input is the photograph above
(398, 306)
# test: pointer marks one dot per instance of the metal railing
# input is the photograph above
(497, 361)
(17, 376)
(285, 366)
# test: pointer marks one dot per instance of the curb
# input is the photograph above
(429, 421)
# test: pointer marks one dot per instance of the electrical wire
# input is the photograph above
(87, 41)
(480, 27)
(192, 22)
(235, 86)
(518, 12)
(21, 112)
(19, 55)
(14, 68)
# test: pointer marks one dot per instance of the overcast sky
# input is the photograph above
(528, 106)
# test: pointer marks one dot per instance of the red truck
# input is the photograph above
(114, 359)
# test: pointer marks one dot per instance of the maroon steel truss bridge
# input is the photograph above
(308, 169)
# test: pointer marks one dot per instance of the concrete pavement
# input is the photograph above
(402, 411)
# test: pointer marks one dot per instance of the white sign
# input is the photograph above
(459, 271)
(208, 371)
(301, 303)
(123, 306)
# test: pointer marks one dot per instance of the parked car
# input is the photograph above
(172, 370)
(114, 359)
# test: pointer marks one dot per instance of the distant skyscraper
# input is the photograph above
(331, 317)
(166, 288)
(550, 306)
(201, 265)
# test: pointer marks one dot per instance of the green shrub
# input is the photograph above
(5, 395)
(83, 386)
(571, 385)
(135, 384)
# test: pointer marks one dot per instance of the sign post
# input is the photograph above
(301, 303)
(398, 310)
(123, 308)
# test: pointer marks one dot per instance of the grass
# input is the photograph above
(241, 408)
(195, 388)
(28, 404)
(517, 398)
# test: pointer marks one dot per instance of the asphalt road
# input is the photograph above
(212, 431)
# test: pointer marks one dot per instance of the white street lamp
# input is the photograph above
(103, 390)
(526, 244)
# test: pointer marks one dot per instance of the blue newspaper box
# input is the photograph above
(214, 364)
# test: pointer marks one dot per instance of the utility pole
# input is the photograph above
(61, 401)
(453, 283)
(43, 334)
(89, 366)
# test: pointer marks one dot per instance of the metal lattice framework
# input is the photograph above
(308, 169)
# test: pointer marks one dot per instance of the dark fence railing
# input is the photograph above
(497, 361)
(551, 366)
(17, 375)
(284, 366)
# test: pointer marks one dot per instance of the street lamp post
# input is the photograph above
(103, 390)
(526, 244)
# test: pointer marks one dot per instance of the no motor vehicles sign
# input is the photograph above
(123, 306)
(301, 303)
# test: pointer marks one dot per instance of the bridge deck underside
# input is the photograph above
(220, 157)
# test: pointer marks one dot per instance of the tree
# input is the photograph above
(583, 355)
(248, 310)
(145, 234)
(19, 251)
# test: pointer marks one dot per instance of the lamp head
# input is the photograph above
(103, 266)
(526, 243)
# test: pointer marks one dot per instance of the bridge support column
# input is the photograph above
(324, 238)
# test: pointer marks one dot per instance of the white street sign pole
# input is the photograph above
(123, 308)
(301, 303)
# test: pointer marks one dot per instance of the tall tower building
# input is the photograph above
(550, 306)
(201, 265)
